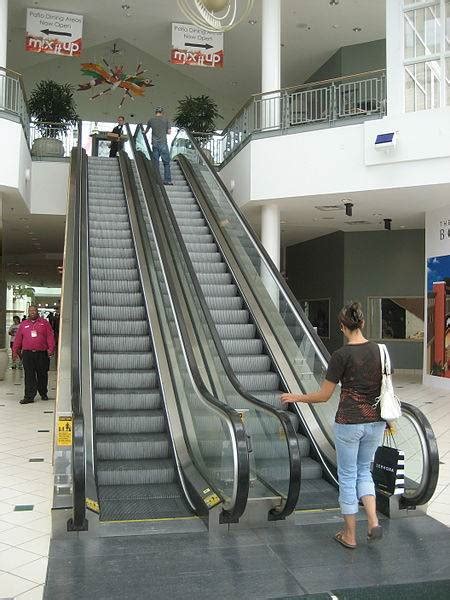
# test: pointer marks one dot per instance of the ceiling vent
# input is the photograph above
(331, 207)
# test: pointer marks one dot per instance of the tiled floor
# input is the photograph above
(26, 433)
(25, 534)
(435, 404)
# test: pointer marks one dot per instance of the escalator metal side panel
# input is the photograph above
(185, 469)
(62, 455)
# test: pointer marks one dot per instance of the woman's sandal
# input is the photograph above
(340, 540)
(376, 533)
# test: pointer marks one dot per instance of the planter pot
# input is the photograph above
(3, 363)
(48, 147)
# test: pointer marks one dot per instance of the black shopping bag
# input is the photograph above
(389, 470)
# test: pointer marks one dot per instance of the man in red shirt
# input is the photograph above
(34, 343)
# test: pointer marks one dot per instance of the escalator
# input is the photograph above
(160, 431)
(268, 341)
(127, 378)
(136, 474)
(246, 352)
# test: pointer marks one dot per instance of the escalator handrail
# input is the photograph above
(423, 427)
(430, 455)
(77, 193)
(285, 423)
(235, 424)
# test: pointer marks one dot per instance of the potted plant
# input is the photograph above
(437, 369)
(53, 110)
(198, 114)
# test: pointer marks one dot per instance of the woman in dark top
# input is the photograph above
(358, 426)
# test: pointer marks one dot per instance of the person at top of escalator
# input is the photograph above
(117, 143)
(161, 128)
(358, 425)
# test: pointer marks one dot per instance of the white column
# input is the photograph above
(271, 63)
(395, 76)
(271, 45)
(3, 31)
(270, 231)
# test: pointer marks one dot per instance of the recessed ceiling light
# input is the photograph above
(234, 83)
(335, 26)
(334, 2)
(252, 21)
(303, 26)
(357, 29)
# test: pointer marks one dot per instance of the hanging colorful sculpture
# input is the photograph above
(114, 77)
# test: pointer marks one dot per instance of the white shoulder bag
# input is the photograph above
(390, 404)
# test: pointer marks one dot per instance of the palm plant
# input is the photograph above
(52, 107)
(198, 114)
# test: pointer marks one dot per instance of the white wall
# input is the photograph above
(15, 160)
(49, 187)
(237, 176)
(436, 244)
(343, 159)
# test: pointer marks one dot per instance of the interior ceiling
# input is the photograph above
(312, 30)
(301, 220)
(32, 245)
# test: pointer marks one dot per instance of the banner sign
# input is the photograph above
(50, 32)
(196, 47)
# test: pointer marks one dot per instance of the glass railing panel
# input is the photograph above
(407, 439)
(270, 461)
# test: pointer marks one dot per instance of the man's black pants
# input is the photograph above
(35, 365)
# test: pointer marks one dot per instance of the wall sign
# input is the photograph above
(50, 32)
(196, 47)
(437, 351)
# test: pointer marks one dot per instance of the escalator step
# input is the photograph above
(132, 472)
(123, 343)
(119, 327)
(119, 313)
(115, 360)
(127, 400)
(145, 379)
(259, 381)
(130, 421)
(158, 501)
(136, 446)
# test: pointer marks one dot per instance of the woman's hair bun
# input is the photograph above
(352, 316)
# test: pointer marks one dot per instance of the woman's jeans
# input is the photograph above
(355, 448)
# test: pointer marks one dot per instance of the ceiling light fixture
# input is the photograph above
(252, 22)
(357, 29)
(348, 209)
(334, 2)
(126, 10)
(215, 15)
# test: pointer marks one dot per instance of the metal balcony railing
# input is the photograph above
(324, 102)
(13, 98)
